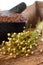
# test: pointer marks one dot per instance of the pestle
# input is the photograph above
(17, 9)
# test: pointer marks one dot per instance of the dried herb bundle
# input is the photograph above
(20, 44)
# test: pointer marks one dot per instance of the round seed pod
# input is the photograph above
(14, 55)
(27, 54)
(4, 52)
(32, 52)
(8, 34)
(28, 50)
(41, 50)
(30, 46)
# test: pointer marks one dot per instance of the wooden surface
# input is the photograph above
(35, 59)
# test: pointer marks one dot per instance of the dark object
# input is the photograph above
(10, 24)
(10, 27)
(17, 9)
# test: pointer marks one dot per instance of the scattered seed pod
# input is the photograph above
(8, 34)
(41, 50)
(32, 52)
(36, 44)
(23, 49)
(11, 54)
(30, 46)
(27, 54)
(28, 50)
(8, 49)
(4, 52)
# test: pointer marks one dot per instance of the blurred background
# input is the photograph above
(8, 4)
